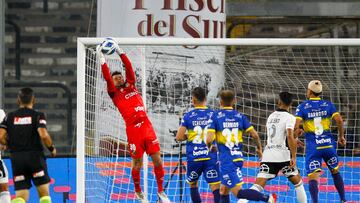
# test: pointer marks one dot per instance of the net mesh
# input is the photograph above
(256, 74)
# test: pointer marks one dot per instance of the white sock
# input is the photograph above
(300, 193)
(257, 187)
(5, 197)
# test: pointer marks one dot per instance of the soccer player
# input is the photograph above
(199, 158)
(227, 126)
(4, 178)
(139, 130)
(316, 115)
(277, 156)
(24, 131)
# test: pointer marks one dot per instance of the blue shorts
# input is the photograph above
(314, 159)
(231, 175)
(210, 169)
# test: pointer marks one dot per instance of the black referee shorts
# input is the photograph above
(27, 167)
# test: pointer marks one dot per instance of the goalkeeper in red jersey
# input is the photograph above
(139, 130)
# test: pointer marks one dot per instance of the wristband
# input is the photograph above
(51, 148)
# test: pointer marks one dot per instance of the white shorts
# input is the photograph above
(4, 175)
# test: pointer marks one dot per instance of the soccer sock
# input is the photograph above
(339, 184)
(300, 193)
(314, 190)
(18, 200)
(250, 194)
(45, 199)
(257, 187)
(5, 197)
(195, 196)
(216, 194)
(224, 198)
(159, 174)
(136, 178)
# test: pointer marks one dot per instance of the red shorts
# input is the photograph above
(142, 138)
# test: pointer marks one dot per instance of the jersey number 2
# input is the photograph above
(200, 135)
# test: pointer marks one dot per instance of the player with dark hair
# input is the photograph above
(139, 130)
(24, 131)
(227, 126)
(199, 159)
(277, 156)
(4, 176)
(316, 115)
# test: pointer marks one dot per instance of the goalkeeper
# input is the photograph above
(139, 130)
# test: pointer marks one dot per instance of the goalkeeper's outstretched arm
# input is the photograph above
(106, 73)
(129, 71)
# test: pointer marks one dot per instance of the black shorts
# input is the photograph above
(270, 170)
(27, 167)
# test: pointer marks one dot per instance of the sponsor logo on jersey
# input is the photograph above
(22, 120)
(235, 153)
(307, 106)
(314, 165)
(19, 178)
(39, 174)
(323, 141)
(131, 94)
(42, 121)
(324, 104)
(201, 152)
(139, 108)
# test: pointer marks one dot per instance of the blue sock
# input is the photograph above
(339, 184)
(250, 194)
(195, 196)
(314, 190)
(216, 196)
(224, 198)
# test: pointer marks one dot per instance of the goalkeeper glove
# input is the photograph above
(100, 54)
(119, 50)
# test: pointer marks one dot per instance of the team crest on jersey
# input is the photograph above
(22, 120)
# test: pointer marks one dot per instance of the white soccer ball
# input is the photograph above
(108, 46)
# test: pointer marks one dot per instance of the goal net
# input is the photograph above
(166, 71)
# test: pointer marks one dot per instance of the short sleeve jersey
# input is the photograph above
(316, 115)
(276, 149)
(229, 126)
(196, 121)
(22, 129)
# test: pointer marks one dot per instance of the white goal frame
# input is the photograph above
(83, 42)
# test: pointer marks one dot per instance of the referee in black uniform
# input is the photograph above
(23, 131)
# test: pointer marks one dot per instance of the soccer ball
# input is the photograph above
(108, 46)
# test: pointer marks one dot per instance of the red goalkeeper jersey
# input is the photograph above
(126, 97)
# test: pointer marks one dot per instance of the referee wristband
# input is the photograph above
(51, 148)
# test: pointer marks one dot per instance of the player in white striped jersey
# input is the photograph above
(280, 151)
(4, 178)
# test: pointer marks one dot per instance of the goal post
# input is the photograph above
(168, 68)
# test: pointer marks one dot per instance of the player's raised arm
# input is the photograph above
(106, 73)
(129, 71)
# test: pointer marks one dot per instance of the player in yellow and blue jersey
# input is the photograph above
(199, 159)
(316, 115)
(226, 127)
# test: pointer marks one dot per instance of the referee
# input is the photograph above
(23, 131)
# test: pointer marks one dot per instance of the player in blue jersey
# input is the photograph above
(316, 115)
(227, 126)
(199, 158)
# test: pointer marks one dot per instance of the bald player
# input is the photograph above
(316, 115)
